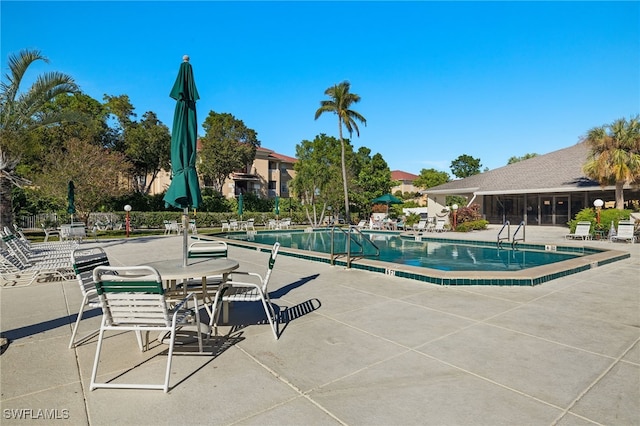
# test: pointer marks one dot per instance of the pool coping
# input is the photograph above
(592, 257)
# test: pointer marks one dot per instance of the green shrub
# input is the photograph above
(607, 217)
(473, 225)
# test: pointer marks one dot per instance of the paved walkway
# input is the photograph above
(356, 348)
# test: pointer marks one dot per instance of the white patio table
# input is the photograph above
(172, 272)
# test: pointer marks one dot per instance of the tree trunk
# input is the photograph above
(347, 214)
(620, 195)
(6, 203)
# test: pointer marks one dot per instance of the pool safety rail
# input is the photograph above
(350, 233)
(515, 239)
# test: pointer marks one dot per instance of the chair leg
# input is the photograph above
(169, 356)
(77, 324)
(139, 339)
(73, 341)
(94, 373)
(271, 316)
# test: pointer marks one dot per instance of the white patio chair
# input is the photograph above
(285, 223)
(50, 232)
(236, 291)
(132, 299)
(440, 226)
(625, 232)
(226, 225)
(583, 231)
(84, 262)
(421, 226)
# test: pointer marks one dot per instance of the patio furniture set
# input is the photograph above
(165, 297)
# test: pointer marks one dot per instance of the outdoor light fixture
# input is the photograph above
(598, 203)
(455, 215)
(127, 209)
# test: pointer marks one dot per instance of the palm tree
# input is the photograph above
(341, 100)
(21, 113)
(614, 155)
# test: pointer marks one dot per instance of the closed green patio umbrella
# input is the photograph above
(71, 199)
(276, 209)
(184, 190)
(240, 205)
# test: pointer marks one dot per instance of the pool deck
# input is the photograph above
(356, 348)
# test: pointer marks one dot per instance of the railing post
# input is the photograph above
(349, 248)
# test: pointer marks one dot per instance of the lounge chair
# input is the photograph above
(625, 232)
(439, 227)
(362, 224)
(421, 226)
(583, 231)
(132, 299)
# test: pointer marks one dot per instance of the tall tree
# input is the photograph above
(227, 146)
(339, 104)
(465, 166)
(148, 148)
(614, 155)
(317, 173)
(99, 174)
(23, 112)
(122, 110)
(429, 178)
(373, 179)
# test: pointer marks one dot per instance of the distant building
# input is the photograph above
(267, 176)
(406, 185)
(406, 182)
(544, 190)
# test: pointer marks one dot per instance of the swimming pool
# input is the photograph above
(445, 256)
(435, 260)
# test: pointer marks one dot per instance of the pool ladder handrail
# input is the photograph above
(514, 240)
(349, 237)
(506, 224)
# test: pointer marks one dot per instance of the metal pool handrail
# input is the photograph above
(349, 238)
(508, 225)
(515, 240)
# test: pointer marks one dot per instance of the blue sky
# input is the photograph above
(437, 79)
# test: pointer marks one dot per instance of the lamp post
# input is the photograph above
(127, 209)
(455, 215)
(598, 205)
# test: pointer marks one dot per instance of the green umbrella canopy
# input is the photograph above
(71, 198)
(184, 190)
(386, 199)
(276, 209)
(240, 204)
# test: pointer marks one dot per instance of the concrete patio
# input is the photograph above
(356, 348)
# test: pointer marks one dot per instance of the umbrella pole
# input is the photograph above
(185, 213)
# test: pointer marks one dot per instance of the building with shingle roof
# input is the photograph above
(547, 189)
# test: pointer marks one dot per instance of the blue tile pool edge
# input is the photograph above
(592, 258)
